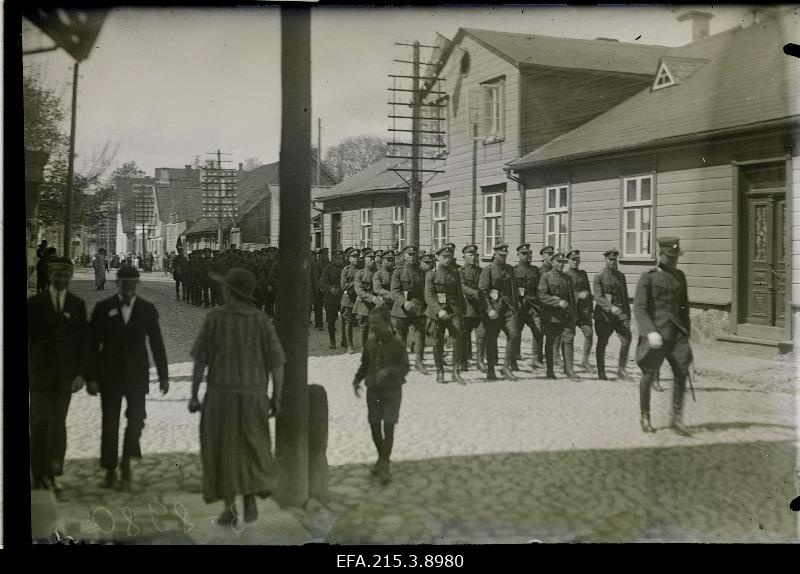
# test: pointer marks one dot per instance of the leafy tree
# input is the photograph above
(127, 169)
(252, 163)
(43, 116)
(353, 154)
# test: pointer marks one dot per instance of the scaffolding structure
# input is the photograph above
(143, 214)
(220, 193)
(417, 111)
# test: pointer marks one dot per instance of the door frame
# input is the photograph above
(740, 245)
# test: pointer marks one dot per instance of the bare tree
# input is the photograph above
(353, 154)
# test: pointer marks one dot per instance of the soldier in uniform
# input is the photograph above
(612, 312)
(349, 295)
(558, 314)
(661, 307)
(365, 297)
(584, 303)
(470, 275)
(382, 280)
(408, 309)
(528, 277)
(499, 298)
(547, 253)
(319, 294)
(330, 287)
(215, 267)
(445, 310)
(178, 265)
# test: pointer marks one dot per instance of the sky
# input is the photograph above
(165, 85)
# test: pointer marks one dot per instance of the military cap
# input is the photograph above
(452, 246)
(610, 251)
(470, 249)
(323, 250)
(387, 254)
(427, 257)
(573, 253)
(444, 249)
(501, 247)
(128, 272)
(524, 248)
(378, 253)
(409, 248)
(367, 253)
(558, 256)
(547, 248)
(336, 252)
(670, 246)
(352, 252)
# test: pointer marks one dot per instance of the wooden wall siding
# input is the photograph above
(555, 101)
(351, 218)
(795, 191)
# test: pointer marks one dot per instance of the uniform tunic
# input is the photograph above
(528, 277)
(240, 347)
(500, 278)
(473, 315)
(408, 284)
(611, 290)
(443, 291)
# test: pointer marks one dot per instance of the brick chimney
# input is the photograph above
(699, 22)
(241, 166)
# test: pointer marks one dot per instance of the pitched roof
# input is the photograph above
(377, 178)
(746, 83)
(603, 55)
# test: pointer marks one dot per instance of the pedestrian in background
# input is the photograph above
(383, 368)
(100, 265)
(42, 283)
(239, 346)
(58, 346)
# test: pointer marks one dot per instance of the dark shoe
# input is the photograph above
(440, 377)
(344, 344)
(457, 377)
(678, 426)
(508, 374)
(622, 375)
(229, 517)
(550, 375)
(490, 374)
(513, 366)
(602, 375)
(126, 476)
(376, 468)
(250, 509)
(644, 421)
(385, 475)
(332, 345)
(110, 480)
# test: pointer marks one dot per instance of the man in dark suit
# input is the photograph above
(58, 345)
(118, 367)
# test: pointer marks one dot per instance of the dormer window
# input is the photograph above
(664, 78)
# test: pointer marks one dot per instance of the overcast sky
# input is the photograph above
(169, 84)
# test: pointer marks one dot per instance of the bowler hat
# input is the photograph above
(59, 262)
(128, 272)
(239, 280)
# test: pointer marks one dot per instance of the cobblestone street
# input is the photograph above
(487, 462)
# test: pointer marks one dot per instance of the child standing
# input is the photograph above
(384, 366)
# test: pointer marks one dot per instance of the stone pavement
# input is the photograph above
(487, 462)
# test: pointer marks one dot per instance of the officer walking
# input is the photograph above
(445, 311)
(330, 287)
(558, 314)
(661, 307)
(528, 277)
(470, 275)
(382, 279)
(498, 289)
(583, 303)
(365, 297)
(612, 313)
(408, 309)
(349, 295)
(546, 254)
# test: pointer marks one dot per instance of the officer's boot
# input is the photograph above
(440, 376)
(344, 334)
(457, 374)
(480, 353)
(644, 421)
(657, 383)
(644, 401)
(507, 361)
(677, 409)
(513, 349)
(536, 352)
(622, 373)
(419, 366)
(601, 366)
(587, 350)
(350, 347)
(569, 356)
(557, 352)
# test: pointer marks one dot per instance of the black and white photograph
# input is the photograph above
(413, 277)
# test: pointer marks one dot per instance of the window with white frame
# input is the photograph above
(366, 227)
(439, 219)
(492, 221)
(556, 216)
(637, 216)
(399, 226)
(486, 109)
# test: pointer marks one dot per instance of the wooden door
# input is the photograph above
(336, 231)
(766, 278)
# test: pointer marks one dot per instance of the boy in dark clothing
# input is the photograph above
(384, 366)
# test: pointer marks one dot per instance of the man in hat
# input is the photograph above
(558, 314)
(612, 313)
(500, 302)
(119, 368)
(661, 307)
(382, 279)
(408, 311)
(470, 275)
(58, 346)
(178, 266)
(445, 310)
(583, 304)
(427, 261)
(366, 299)
(319, 294)
(349, 295)
(528, 277)
(330, 285)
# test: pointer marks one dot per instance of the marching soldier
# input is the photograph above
(349, 295)
(558, 314)
(546, 253)
(612, 313)
(408, 311)
(583, 302)
(528, 277)
(330, 287)
(470, 275)
(661, 307)
(498, 290)
(382, 279)
(365, 297)
(445, 310)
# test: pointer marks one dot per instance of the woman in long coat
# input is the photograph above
(100, 265)
(239, 346)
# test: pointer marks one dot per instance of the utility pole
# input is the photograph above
(70, 167)
(416, 180)
(219, 193)
(292, 425)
